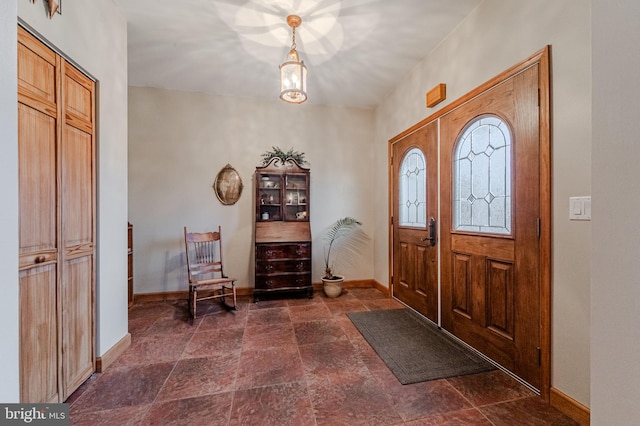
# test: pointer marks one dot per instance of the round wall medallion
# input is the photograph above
(228, 185)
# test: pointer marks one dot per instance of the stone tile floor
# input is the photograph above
(283, 362)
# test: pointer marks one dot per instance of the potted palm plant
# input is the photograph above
(344, 240)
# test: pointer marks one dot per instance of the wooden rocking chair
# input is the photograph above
(205, 271)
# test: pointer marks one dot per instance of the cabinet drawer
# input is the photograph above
(282, 266)
(283, 251)
(283, 281)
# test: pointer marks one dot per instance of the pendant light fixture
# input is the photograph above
(293, 72)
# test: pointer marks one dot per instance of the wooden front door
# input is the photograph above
(415, 209)
(490, 212)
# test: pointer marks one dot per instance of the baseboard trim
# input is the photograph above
(358, 284)
(317, 286)
(244, 291)
(381, 287)
(569, 406)
(241, 291)
(178, 295)
(160, 296)
(103, 362)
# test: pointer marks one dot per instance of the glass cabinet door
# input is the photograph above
(296, 202)
(270, 197)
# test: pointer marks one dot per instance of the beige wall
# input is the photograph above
(497, 35)
(179, 141)
(9, 356)
(615, 282)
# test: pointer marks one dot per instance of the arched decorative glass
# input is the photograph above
(482, 177)
(412, 188)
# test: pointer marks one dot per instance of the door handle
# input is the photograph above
(432, 232)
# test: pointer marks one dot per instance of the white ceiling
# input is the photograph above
(356, 51)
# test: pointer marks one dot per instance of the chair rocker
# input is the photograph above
(205, 270)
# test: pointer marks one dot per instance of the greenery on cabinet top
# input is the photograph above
(277, 152)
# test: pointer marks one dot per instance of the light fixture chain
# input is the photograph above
(293, 39)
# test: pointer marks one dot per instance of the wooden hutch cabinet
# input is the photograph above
(130, 263)
(283, 232)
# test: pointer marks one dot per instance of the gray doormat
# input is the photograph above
(413, 348)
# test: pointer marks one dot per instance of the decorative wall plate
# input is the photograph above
(228, 185)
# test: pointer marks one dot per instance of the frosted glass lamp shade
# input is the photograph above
(293, 79)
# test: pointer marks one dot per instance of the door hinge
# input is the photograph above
(538, 98)
(539, 356)
(391, 160)
(539, 227)
(391, 221)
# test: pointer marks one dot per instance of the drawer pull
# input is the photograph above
(40, 259)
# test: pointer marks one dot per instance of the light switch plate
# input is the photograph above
(580, 208)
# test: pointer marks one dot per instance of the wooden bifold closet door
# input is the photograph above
(56, 139)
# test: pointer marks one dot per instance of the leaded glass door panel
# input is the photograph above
(481, 179)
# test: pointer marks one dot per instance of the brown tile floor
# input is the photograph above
(283, 362)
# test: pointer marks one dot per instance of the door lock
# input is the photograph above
(432, 232)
